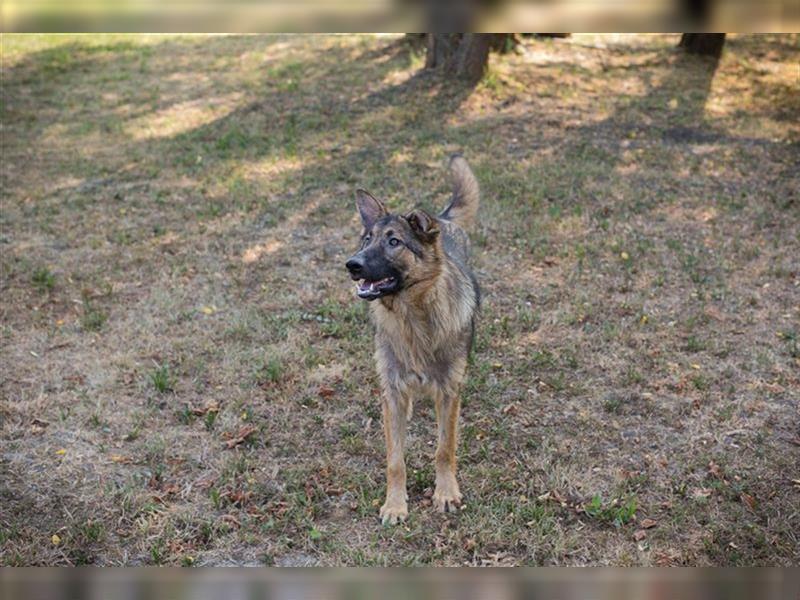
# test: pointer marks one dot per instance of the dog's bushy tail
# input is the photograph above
(463, 205)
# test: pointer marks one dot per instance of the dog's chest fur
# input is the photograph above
(419, 340)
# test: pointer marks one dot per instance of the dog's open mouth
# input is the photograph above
(369, 290)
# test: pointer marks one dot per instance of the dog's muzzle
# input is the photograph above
(366, 287)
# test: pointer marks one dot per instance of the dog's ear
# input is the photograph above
(370, 208)
(424, 226)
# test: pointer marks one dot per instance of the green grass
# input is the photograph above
(617, 512)
(271, 371)
(93, 318)
(43, 279)
(161, 379)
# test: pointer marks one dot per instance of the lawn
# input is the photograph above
(186, 376)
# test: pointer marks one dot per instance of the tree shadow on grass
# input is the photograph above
(304, 107)
(670, 111)
(330, 118)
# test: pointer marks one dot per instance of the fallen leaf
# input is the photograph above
(639, 535)
(701, 493)
(510, 409)
(667, 558)
(206, 483)
(55, 539)
(240, 497)
(211, 406)
(714, 469)
(61, 452)
(38, 426)
(232, 520)
(118, 458)
(648, 523)
(208, 310)
(241, 436)
(749, 501)
(326, 392)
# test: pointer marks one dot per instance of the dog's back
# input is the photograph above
(458, 219)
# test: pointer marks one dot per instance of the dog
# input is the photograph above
(414, 270)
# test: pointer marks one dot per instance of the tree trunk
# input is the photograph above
(415, 40)
(442, 48)
(464, 55)
(705, 44)
(472, 57)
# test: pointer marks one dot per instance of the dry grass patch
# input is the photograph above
(187, 379)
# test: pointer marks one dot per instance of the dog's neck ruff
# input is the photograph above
(432, 315)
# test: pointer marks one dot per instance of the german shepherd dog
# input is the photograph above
(414, 270)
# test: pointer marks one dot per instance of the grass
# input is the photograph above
(93, 319)
(161, 379)
(618, 512)
(188, 380)
(43, 279)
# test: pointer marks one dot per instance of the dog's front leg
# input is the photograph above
(446, 496)
(395, 418)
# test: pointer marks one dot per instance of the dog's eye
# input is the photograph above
(393, 242)
(368, 238)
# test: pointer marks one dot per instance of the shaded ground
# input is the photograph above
(175, 216)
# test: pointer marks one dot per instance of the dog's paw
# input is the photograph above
(447, 498)
(393, 513)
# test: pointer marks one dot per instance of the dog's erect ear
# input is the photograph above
(370, 208)
(425, 226)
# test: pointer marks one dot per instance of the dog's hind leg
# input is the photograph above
(395, 419)
(447, 496)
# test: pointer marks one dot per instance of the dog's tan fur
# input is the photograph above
(423, 335)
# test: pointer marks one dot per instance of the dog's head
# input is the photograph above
(396, 252)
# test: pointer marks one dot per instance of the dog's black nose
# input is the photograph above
(354, 265)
